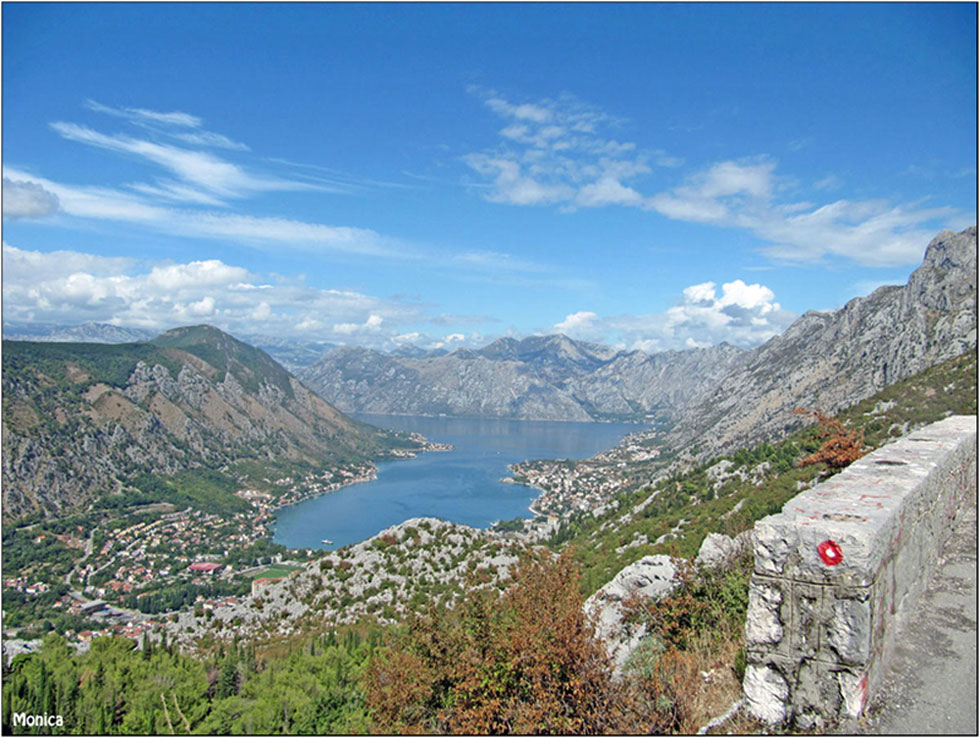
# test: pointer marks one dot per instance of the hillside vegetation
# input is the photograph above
(84, 420)
(727, 494)
(487, 653)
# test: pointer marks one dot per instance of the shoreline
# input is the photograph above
(371, 475)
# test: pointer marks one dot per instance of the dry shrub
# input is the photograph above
(527, 662)
(840, 446)
(522, 662)
(686, 671)
(400, 687)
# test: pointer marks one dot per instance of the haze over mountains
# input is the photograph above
(716, 396)
(537, 378)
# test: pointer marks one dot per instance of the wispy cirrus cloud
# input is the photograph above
(748, 195)
(261, 232)
(196, 196)
(172, 124)
(556, 152)
(200, 170)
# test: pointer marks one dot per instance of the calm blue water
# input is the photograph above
(461, 486)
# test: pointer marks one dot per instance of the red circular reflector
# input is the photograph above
(830, 553)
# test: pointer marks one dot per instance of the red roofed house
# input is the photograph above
(205, 566)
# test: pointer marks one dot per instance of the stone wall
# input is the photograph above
(838, 568)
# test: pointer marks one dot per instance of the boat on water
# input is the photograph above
(327, 541)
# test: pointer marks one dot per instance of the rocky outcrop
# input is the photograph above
(403, 569)
(648, 579)
(537, 378)
(718, 551)
(830, 360)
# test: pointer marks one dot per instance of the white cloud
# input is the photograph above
(207, 138)
(165, 123)
(203, 307)
(576, 323)
(23, 266)
(512, 186)
(197, 168)
(371, 325)
(176, 192)
(607, 191)
(195, 274)
(717, 195)
(185, 120)
(830, 182)
(68, 287)
(551, 152)
(744, 195)
(743, 315)
(27, 200)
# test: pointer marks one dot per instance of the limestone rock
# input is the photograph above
(650, 578)
(538, 378)
(718, 550)
(833, 359)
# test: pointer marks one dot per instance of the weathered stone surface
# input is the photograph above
(836, 570)
(716, 550)
(763, 625)
(765, 693)
(719, 551)
(649, 578)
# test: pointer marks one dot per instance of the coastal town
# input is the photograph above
(568, 485)
(158, 568)
(131, 572)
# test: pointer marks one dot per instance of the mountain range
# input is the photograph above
(713, 397)
(829, 360)
(83, 419)
(537, 378)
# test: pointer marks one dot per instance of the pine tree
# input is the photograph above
(228, 680)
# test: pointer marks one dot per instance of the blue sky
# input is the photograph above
(644, 175)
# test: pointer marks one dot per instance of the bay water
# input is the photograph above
(462, 485)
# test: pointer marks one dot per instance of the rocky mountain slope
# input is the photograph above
(81, 419)
(830, 360)
(537, 378)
